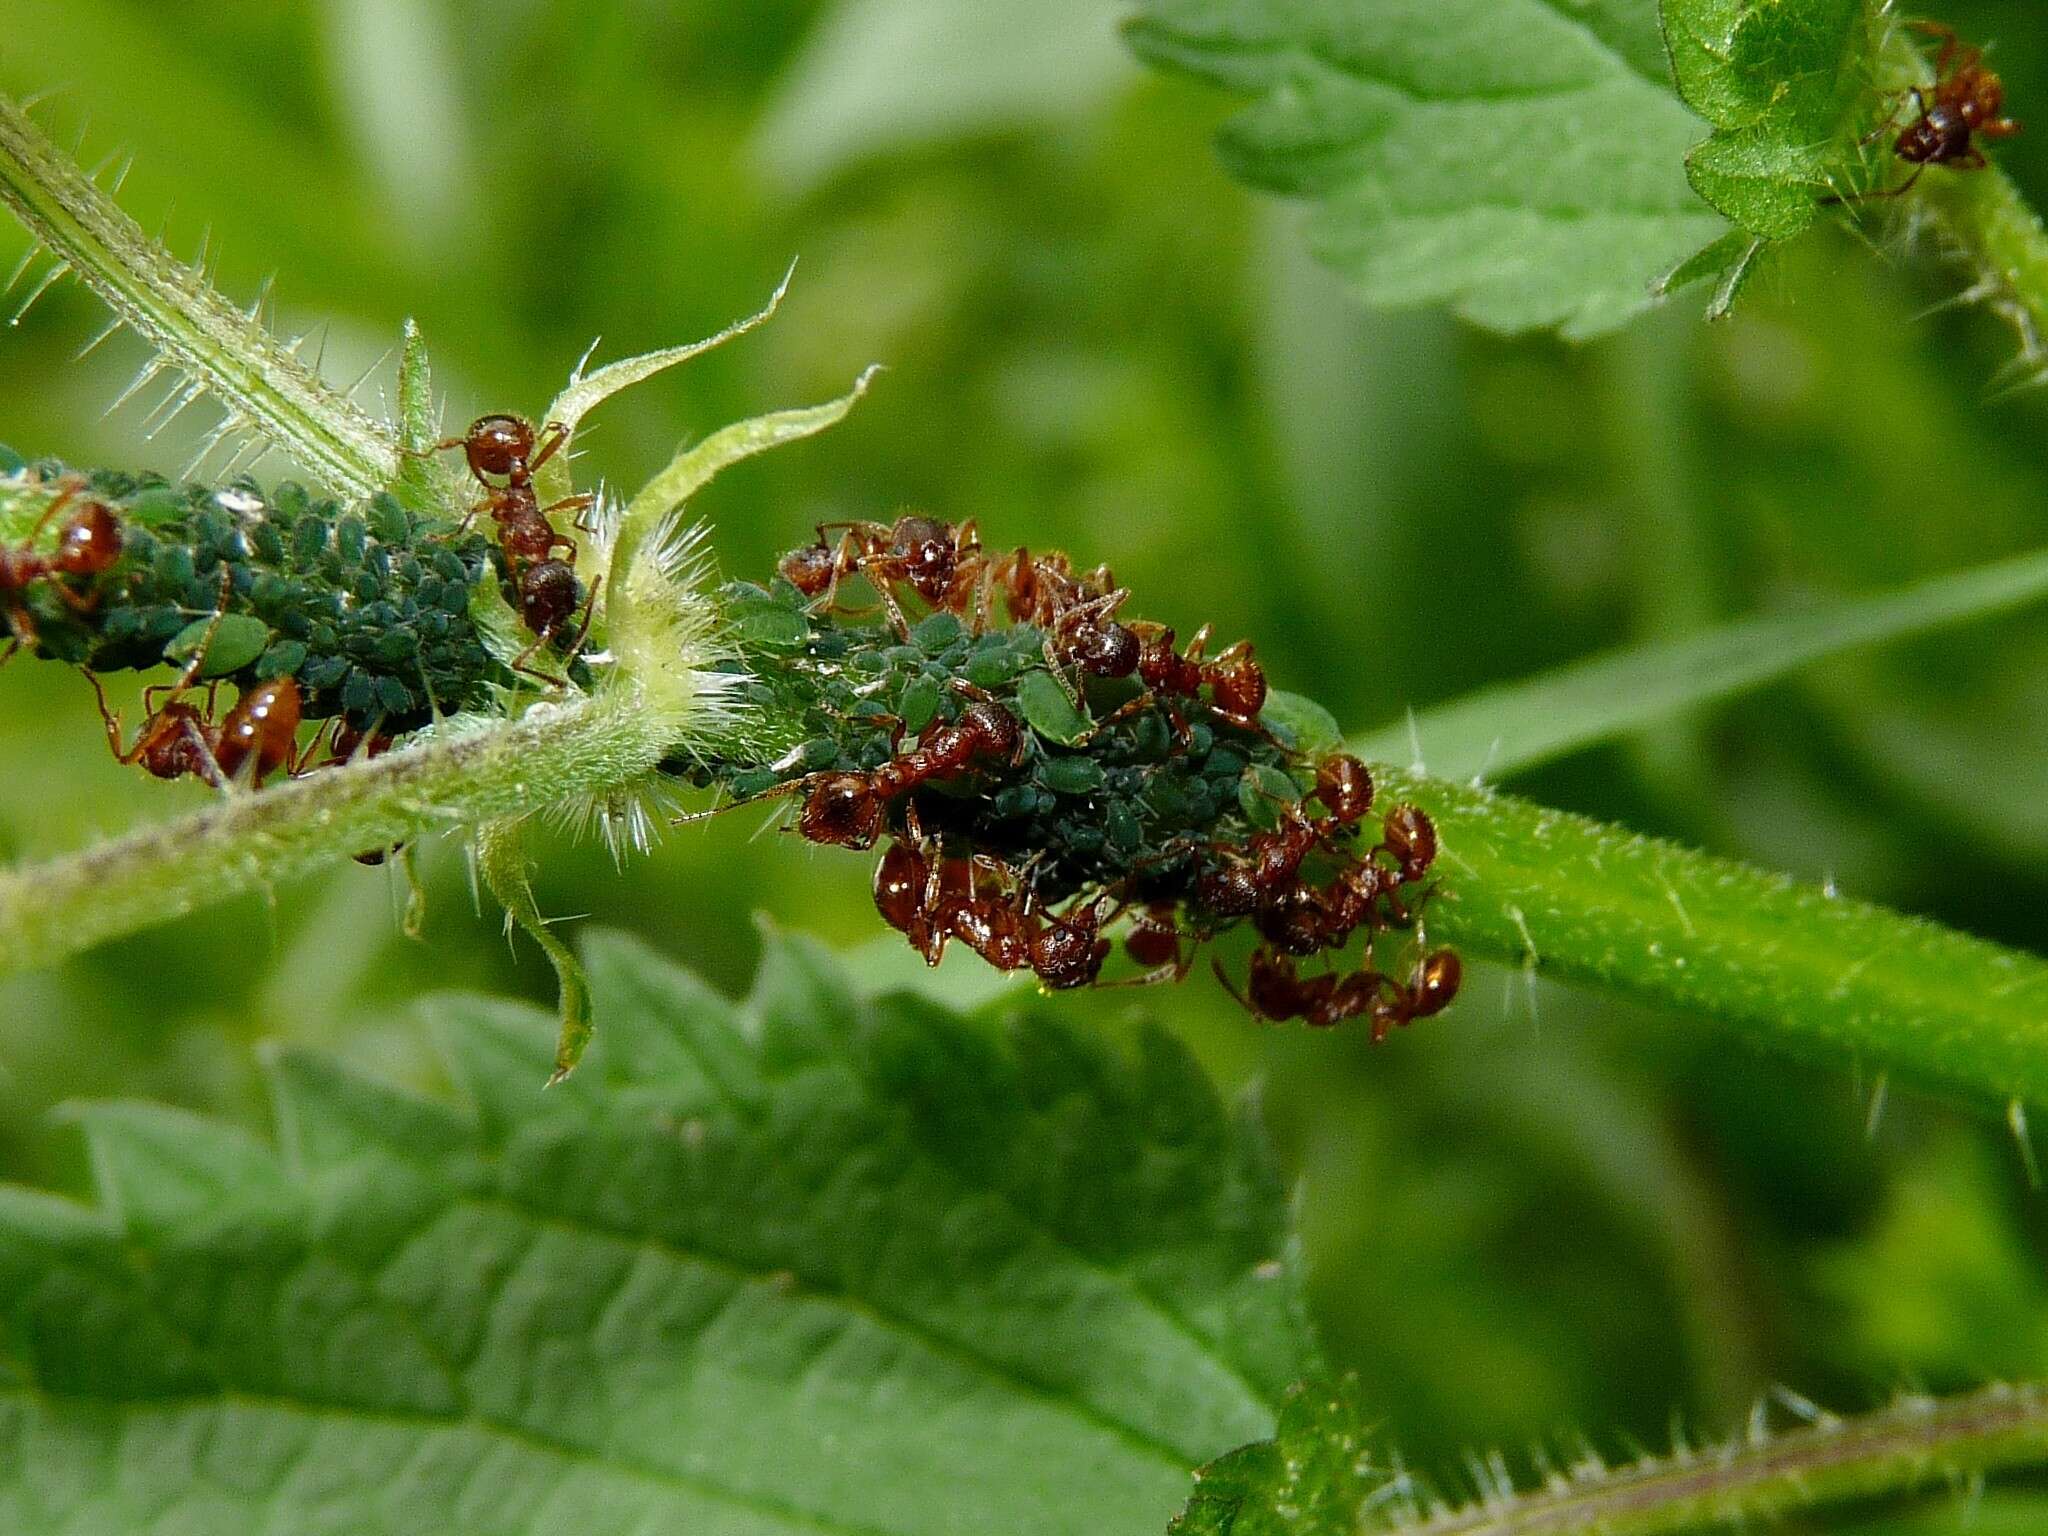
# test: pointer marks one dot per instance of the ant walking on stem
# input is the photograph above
(508, 447)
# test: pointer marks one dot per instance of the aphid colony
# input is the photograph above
(312, 612)
(315, 613)
(1038, 785)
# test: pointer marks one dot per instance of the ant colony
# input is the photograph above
(1039, 784)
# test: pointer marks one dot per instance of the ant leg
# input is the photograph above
(22, 625)
(1972, 161)
(190, 676)
(112, 720)
(886, 591)
(583, 629)
(554, 437)
(521, 663)
(780, 791)
(57, 504)
(1949, 42)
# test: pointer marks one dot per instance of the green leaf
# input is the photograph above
(817, 1264)
(1500, 731)
(1521, 160)
(1311, 1479)
(1785, 84)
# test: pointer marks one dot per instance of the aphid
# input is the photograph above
(1968, 105)
(88, 545)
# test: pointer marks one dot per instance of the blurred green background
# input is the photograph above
(1543, 1214)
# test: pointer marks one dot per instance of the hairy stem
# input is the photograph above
(1902, 1447)
(251, 842)
(1795, 967)
(260, 382)
(2003, 238)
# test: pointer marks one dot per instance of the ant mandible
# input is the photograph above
(1968, 104)
(88, 545)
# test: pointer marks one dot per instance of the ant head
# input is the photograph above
(1344, 785)
(498, 445)
(548, 595)
(174, 742)
(929, 554)
(842, 808)
(1106, 650)
(1066, 953)
(90, 543)
(808, 568)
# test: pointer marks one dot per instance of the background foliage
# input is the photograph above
(1543, 1213)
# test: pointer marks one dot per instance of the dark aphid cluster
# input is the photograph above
(312, 611)
(1042, 783)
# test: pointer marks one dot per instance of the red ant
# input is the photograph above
(502, 445)
(847, 808)
(88, 545)
(1968, 105)
(921, 553)
(1236, 682)
(260, 732)
(1274, 990)
(933, 901)
(1077, 612)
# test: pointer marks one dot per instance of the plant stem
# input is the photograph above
(2002, 236)
(251, 842)
(1796, 968)
(259, 380)
(1902, 1447)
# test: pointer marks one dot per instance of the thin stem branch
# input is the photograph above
(251, 842)
(1903, 1447)
(1795, 967)
(176, 310)
(2003, 238)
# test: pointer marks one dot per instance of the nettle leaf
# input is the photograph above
(1786, 85)
(1522, 160)
(819, 1263)
(1313, 1478)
